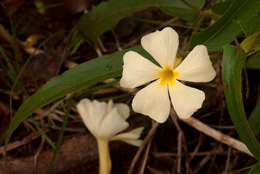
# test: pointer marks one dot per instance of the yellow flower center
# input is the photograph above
(167, 75)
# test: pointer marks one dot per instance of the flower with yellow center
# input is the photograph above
(105, 121)
(153, 100)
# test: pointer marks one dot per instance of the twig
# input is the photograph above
(241, 170)
(228, 161)
(202, 163)
(141, 148)
(141, 171)
(9, 39)
(35, 167)
(98, 50)
(193, 154)
(169, 154)
(180, 134)
(25, 140)
(100, 43)
(117, 41)
(217, 135)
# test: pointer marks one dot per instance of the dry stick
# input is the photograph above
(169, 154)
(119, 48)
(241, 170)
(180, 134)
(196, 149)
(9, 39)
(217, 135)
(141, 171)
(100, 43)
(228, 161)
(141, 148)
(39, 150)
(25, 140)
(202, 163)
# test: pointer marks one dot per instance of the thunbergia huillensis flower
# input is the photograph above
(153, 100)
(105, 121)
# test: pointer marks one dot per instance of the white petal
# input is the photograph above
(162, 45)
(185, 100)
(92, 113)
(153, 101)
(112, 124)
(196, 67)
(123, 110)
(133, 134)
(134, 142)
(130, 137)
(137, 70)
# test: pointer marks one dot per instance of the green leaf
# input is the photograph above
(78, 78)
(107, 14)
(221, 7)
(255, 169)
(251, 43)
(251, 25)
(226, 28)
(254, 119)
(232, 65)
(254, 61)
(183, 11)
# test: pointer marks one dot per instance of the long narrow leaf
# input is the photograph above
(254, 119)
(107, 14)
(78, 78)
(226, 28)
(232, 65)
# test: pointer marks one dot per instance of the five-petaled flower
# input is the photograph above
(153, 100)
(105, 121)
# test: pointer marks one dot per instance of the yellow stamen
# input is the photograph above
(167, 75)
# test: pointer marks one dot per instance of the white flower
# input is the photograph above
(105, 121)
(153, 100)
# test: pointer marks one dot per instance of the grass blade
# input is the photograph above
(232, 65)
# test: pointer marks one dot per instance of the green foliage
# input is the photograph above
(255, 169)
(254, 119)
(221, 7)
(232, 65)
(226, 28)
(251, 25)
(78, 78)
(251, 43)
(107, 14)
(184, 12)
(254, 61)
(237, 16)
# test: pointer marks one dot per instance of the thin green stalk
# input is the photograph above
(27, 61)
(15, 45)
(59, 142)
(43, 134)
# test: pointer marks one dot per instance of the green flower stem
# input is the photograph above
(104, 156)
